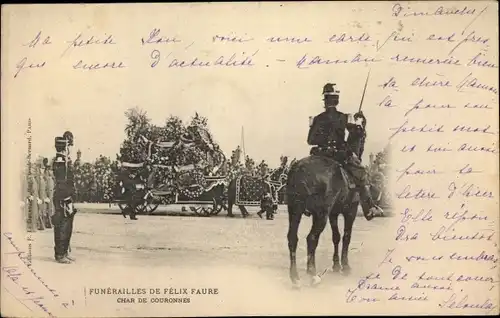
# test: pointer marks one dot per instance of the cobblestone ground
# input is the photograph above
(246, 259)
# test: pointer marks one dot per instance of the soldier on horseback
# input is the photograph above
(328, 134)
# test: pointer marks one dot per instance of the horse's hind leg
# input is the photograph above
(336, 240)
(243, 210)
(318, 225)
(349, 217)
(295, 210)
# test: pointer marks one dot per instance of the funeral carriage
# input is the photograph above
(163, 179)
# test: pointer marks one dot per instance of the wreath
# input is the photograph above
(192, 183)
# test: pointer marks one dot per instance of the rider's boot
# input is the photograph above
(370, 209)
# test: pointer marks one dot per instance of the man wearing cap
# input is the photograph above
(63, 198)
(328, 132)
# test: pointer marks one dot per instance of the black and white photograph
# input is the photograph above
(235, 159)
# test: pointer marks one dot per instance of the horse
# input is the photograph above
(316, 187)
(269, 184)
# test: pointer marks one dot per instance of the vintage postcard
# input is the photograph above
(235, 159)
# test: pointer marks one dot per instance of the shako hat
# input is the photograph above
(330, 89)
(60, 141)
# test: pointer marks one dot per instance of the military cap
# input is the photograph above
(60, 141)
(330, 89)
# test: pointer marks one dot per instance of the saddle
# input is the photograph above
(339, 158)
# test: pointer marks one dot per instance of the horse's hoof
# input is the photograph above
(230, 215)
(346, 269)
(315, 280)
(336, 268)
(296, 285)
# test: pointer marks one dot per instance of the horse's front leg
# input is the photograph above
(336, 240)
(349, 217)
(295, 211)
(318, 225)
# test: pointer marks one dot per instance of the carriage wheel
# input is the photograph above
(207, 211)
(138, 209)
(197, 210)
(150, 208)
(217, 207)
(122, 206)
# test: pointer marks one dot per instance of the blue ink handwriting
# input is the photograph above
(453, 303)
(468, 169)
(477, 61)
(472, 82)
(399, 11)
(156, 38)
(231, 39)
(441, 235)
(23, 65)
(391, 83)
(426, 60)
(347, 38)
(471, 38)
(395, 37)
(288, 39)
(387, 102)
(80, 65)
(473, 148)
(405, 128)
(469, 190)
(419, 194)
(420, 105)
(92, 40)
(317, 60)
(424, 215)
(403, 236)
(462, 216)
(426, 82)
(33, 43)
(412, 171)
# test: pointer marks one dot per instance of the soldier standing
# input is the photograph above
(63, 196)
(50, 192)
(328, 133)
(34, 201)
(42, 190)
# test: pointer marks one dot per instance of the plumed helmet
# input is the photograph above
(330, 89)
(68, 135)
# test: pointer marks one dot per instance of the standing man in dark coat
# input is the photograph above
(64, 191)
(328, 132)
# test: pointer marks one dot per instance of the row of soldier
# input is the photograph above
(37, 195)
(47, 197)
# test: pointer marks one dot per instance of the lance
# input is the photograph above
(364, 91)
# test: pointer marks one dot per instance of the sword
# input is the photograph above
(364, 91)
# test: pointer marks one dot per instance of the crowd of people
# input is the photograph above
(94, 182)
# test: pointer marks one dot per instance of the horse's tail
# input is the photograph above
(296, 187)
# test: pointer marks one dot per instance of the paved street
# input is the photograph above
(246, 259)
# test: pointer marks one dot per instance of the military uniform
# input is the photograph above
(133, 191)
(64, 190)
(328, 133)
